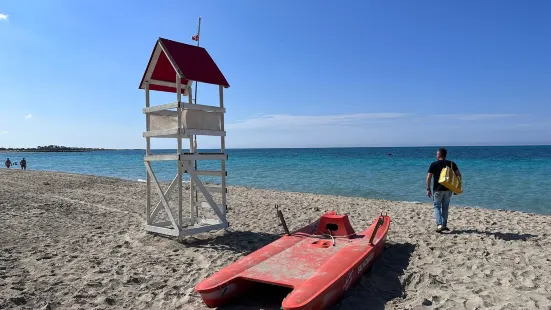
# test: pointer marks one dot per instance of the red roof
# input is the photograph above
(192, 62)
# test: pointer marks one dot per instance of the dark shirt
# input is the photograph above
(435, 168)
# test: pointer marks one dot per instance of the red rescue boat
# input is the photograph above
(319, 262)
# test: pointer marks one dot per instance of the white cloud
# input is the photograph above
(474, 117)
(3, 132)
(293, 121)
(28, 116)
(3, 16)
(285, 121)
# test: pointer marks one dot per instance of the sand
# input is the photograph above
(77, 242)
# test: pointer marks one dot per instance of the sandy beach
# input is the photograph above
(77, 242)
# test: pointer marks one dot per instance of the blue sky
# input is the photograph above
(302, 73)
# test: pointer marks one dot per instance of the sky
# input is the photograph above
(301, 73)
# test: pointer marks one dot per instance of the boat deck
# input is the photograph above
(296, 264)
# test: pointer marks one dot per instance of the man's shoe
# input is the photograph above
(445, 228)
(439, 228)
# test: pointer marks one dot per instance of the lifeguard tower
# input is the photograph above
(173, 67)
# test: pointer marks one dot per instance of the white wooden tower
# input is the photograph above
(173, 67)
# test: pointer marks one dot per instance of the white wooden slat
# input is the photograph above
(164, 113)
(179, 150)
(161, 107)
(206, 194)
(160, 192)
(204, 132)
(170, 136)
(203, 204)
(185, 133)
(202, 107)
(161, 157)
(160, 133)
(162, 83)
(172, 62)
(209, 222)
(147, 152)
(223, 150)
(203, 156)
(164, 224)
(214, 189)
(185, 105)
(153, 63)
(201, 229)
(162, 230)
(210, 173)
(194, 212)
(167, 193)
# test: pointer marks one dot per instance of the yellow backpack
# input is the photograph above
(450, 180)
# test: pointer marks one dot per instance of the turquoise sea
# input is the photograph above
(496, 177)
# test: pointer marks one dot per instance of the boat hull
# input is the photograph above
(318, 270)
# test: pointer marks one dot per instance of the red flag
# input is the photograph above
(195, 37)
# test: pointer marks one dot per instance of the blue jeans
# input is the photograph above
(441, 201)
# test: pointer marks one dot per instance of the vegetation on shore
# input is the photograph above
(52, 148)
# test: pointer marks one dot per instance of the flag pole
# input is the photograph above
(194, 138)
(198, 38)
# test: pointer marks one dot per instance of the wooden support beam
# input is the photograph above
(179, 151)
(223, 150)
(147, 153)
(194, 212)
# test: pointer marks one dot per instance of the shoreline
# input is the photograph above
(77, 241)
(51, 151)
(415, 202)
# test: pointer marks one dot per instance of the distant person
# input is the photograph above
(23, 164)
(440, 195)
(8, 163)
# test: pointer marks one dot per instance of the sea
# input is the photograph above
(494, 177)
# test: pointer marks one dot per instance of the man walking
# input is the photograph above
(440, 195)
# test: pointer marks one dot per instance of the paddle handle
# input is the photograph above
(380, 223)
(282, 220)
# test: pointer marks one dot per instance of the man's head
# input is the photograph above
(441, 153)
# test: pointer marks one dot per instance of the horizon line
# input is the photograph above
(310, 147)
